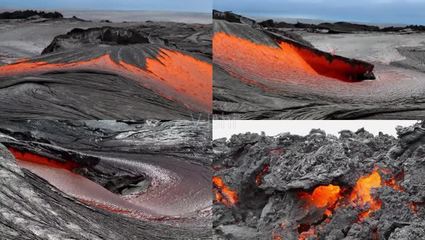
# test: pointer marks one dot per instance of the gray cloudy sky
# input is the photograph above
(378, 11)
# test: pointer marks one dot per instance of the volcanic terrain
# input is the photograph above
(105, 180)
(279, 70)
(70, 68)
(287, 187)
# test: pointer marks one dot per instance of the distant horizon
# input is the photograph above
(98, 10)
(197, 6)
(304, 19)
(406, 12)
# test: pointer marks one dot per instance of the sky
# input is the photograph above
(370, 11)
(226, 128)
(155, 5)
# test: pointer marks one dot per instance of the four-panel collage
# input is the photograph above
(212, 119)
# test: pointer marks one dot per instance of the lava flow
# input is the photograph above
(287, 61)
(361, 194)
(173, 75)
(223, 193)
(323, 196)
(184, 73)
(34, 158)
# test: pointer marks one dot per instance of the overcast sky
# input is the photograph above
(373, 11)
(226, 128)
(160, 5)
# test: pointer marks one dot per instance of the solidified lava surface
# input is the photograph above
(355, 187)
(143, 71)
(267, 72)
(105, 179)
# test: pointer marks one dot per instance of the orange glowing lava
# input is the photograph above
(223, 193)
(361, 194)
(286, 61)
(323, 196)
(34, 158)
(261, 60)
(172, 74)
(184, 73)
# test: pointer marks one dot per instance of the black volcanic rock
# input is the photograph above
(346, 27)
(29, 13)
(269, 202)
(94, 36)
(232, 17)
(335, 27)
(194, 38)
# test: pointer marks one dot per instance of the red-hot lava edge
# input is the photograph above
(38, 159)
(327, 197)
(174, 70)
(68, 165)
(289, 58)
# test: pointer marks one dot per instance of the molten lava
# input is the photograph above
(287, 61)
(361, 194)
(333, 67)
(172, 74)
(323, 196)
(223, 193)
(34, 158)
(184, 73)
(259, 177)
(331, 196)
(267, 62)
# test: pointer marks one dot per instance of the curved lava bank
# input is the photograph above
(263, 73)
(134, 170)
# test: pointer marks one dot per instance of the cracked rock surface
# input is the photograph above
(272, 175)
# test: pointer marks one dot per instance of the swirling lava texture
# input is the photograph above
(132, 81)
(134, 170)
(258, 76)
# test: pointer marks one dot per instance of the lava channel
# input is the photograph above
(172, 75)
(288, 61)
(61, 176)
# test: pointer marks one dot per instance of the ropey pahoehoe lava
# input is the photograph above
(148, 70)
(319, 186)
(105, 179)
(268, 70)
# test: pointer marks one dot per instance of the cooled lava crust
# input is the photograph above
(105, 179)
(355, 186)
